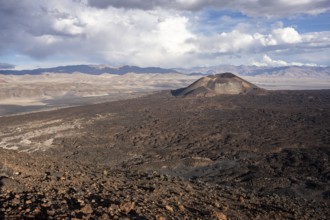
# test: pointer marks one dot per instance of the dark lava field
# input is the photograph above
(255, 156)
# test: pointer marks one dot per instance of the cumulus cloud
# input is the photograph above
(267, 61)
(114, 35)
(276, 40)
(252, 8)
(32, 27)
(285, 42)
(153, 33)
(286, 35)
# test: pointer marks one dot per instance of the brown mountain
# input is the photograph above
(219, 84)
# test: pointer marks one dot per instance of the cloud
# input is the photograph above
(280, 42)
(79, 32)
(160, 33)
(286, 35)
(32, 26)
(6, 66)
(131, 4)
(145, 39)
(236, 41)
(267, 61)
(277, 40)
(256, 8)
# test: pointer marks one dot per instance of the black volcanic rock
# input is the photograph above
(161, 157)
(219, 84)
(90, 69)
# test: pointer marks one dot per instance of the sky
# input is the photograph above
(164, 33)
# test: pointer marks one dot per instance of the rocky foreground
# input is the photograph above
(159, 157)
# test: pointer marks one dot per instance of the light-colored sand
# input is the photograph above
(39, 135)
(22, 102)
(27, 90)
(35, 136)
(282, 83)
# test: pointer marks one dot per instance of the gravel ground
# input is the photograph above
(160, 157)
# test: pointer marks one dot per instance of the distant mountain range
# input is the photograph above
(90, 69)
(284, 71)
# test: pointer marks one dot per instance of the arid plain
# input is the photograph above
(261, 155)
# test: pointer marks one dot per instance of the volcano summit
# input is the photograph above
(219, 84)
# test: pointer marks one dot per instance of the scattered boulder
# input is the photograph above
(127, 206)
(87, 209)
(219, 215)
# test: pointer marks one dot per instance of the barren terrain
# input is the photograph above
(225, 157)
(28, 93)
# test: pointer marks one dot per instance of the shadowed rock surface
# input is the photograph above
(254, 156)
(219, 84)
